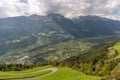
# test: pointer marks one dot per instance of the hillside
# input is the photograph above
(96, 26)
(104, 61)
(36, 38)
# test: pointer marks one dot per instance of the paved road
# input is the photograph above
(54, 69)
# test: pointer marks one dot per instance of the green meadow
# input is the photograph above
(65, 73)
(117, 47)
(24, 74)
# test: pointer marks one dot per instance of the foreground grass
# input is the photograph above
(36, 69)
(64, 73)
(24, 74)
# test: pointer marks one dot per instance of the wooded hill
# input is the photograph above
(104, 61)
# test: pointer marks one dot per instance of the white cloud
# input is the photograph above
(68, 8)
(10, 8)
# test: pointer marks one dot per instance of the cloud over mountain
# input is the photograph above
(68, 8)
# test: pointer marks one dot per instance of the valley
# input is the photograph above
(59, 39)
(38, 38)
(82, 48)
(42, 52)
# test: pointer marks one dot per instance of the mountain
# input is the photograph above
(26, 27)
(36, 38)
(96, 26)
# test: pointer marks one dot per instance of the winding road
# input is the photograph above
(54, 69)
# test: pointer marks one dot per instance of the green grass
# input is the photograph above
(117, 68)
(36, 69)
(65, 73)
(24, 74)
(117, 47)
(29, 70)
(18, 76)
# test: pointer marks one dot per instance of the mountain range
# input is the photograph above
(37, 38)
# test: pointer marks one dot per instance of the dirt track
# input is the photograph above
(54, 69)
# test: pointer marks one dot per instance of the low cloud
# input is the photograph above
(68, 8)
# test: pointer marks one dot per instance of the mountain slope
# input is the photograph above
(38, 38)
(96, 26)
(104, 61)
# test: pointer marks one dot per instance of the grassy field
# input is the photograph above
(117, 47)
(64, 73)
(35, 69)
(24, 74)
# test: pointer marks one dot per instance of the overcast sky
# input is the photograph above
(68, 8)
